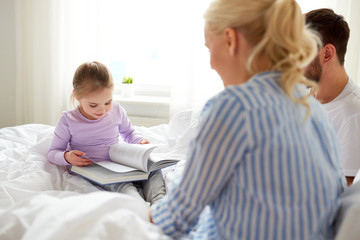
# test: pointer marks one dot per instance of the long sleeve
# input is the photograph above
(264, 172)
(210, 165)
(59, 143)
(93, 137)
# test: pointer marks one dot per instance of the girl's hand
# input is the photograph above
(144, 141)
(77, 158)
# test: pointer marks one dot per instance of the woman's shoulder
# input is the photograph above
(260, 92)
(222, 102)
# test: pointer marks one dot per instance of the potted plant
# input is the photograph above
(128, 87)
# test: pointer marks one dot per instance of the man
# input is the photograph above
(339, 95)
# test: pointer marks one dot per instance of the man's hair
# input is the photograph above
(332, 28)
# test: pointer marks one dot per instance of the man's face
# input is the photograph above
(314, 70)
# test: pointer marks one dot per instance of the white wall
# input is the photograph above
(7, 64)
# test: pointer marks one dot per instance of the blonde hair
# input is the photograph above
(90, 77)
(277, 32)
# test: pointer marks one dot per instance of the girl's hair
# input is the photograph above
(90, 77)
(276, 30)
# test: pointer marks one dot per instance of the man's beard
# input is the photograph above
(314, 70)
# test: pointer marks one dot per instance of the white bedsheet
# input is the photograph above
(39, 200)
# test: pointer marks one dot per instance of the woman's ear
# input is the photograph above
(231, 39)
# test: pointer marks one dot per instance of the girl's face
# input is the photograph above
(96, 104)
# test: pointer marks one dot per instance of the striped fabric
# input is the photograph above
(264, 170)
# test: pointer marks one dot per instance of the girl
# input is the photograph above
(94, 125)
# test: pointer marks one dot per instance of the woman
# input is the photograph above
(265, 157)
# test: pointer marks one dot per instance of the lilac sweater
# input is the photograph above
(94, 137)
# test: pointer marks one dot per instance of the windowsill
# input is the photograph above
(144, 100)
(145, 106)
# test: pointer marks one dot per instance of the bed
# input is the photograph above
(39, 200)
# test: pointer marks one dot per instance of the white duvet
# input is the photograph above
(39, 200)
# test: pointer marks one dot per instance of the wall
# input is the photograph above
(7, 64)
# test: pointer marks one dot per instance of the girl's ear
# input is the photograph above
(231, 39)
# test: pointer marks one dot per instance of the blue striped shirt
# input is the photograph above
(262, 168)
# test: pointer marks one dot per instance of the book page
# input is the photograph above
(157, 157)
(115, 166)
(161, 160)
(132, 155)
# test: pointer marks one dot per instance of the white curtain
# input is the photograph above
(55, 36)
(350, 10)
(40, 92)
(51, 40)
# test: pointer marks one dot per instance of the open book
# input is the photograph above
(130, 162)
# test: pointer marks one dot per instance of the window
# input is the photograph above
(159, 43)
